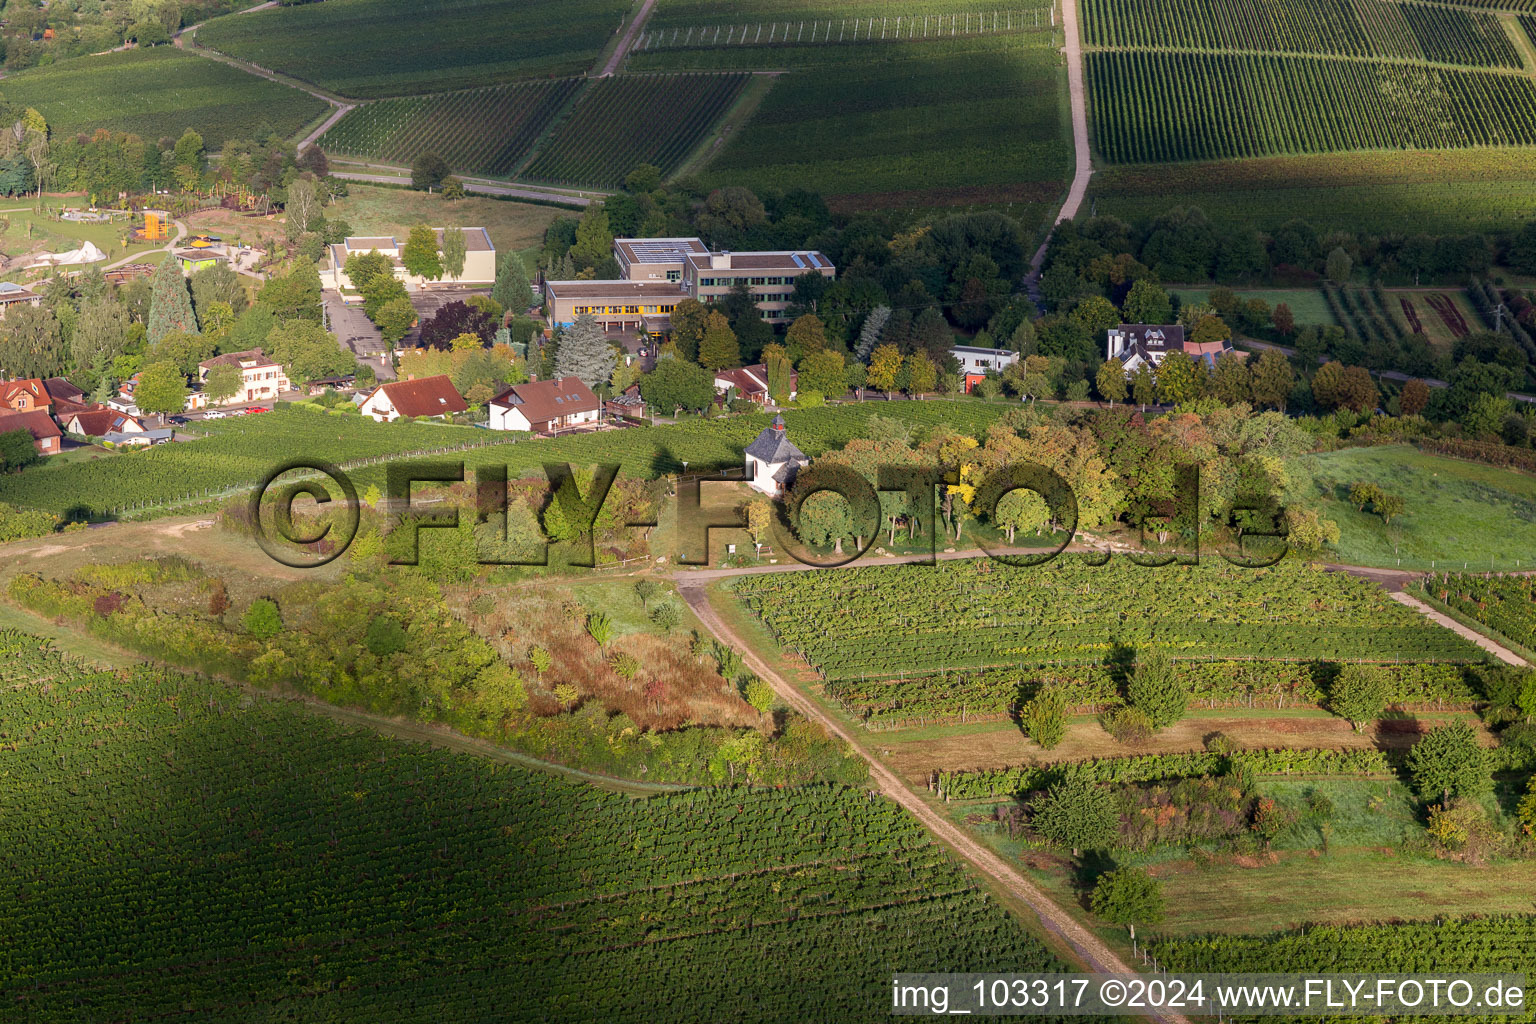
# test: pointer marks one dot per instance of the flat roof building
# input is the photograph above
(479, 258)
(617, 305)
(655, 259)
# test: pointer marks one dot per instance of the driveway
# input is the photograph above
(358, 334)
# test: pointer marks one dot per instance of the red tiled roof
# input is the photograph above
(429, 396)
(545, 400)
(34, 421)
(98, 420)
(31, 386)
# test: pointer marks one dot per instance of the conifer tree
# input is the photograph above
(170, 304)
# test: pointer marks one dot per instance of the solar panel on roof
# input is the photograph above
(798, 261)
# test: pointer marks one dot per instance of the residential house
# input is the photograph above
(976, 363)
(424, 397)
(12, 294)
(772, 461)
(61, 390)
(1136, 344)
(751, 383)
(99, 421)
(46, 435)
(545, 406)
(261, 378)
(25, 394)
(629, 405)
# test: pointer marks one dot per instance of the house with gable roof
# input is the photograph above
(772, 461)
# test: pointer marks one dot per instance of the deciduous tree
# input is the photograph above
(1128, 896)
(1449, 761)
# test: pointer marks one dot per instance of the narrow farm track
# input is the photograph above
(1094, 954)
(1499, 651)
(622, 50)
(515, 191)
(1082, 152)
(326, 125)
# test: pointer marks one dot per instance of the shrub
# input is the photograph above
(1127, 725)
(1156, 691)
(385, 636)
(262, 619)
(759, 694)
(1078, 814)
(1447, 762)
(1359, 694)
(1045, 717)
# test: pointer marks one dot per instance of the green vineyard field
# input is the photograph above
(373, 48)
(621, 122)
(1331, 27)
(898, 621)
(1151, 107)
(160, 93)
(482, 131)
(1505, 604)
(176, 848)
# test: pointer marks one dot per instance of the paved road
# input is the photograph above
(1095, 955)
(1082, 154)
(325, 126)
(629, 40)
(515, 191)
(355, 331)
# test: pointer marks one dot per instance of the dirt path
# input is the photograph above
(622, 50)
(1082, 152)
(1094, 954)
(1499, 651)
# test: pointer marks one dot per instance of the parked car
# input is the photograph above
(258, 408)
(214, 415)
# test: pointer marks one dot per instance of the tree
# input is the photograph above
(294, 295)
(822, 372)
(453, 189)
(213, 285)
(1045, 717)
(1210, 329)
(16, 452)
(1128, 896)
(677, 384)
(779, 370)
(1359, 695)
(170, 304)
(419, 253)
(585, 352)
(690, 319)
(428, 171)
(1144, 385)
(161, 389)
(600, 628)
(825, 518)
(1389, 507)
(884, 365)
(304, 207)
(1271, 380)
(1147, 303)
(718, 349)
(1021, 509)
(869, 334)
(101, 335)
(1078, 814)
(1486, 415)
(1305, 530)
(262, 619)
(455, 252)
(512, 289)
(364, 268)
(1110, 380)
(223, 382)
(185, 350)
(1339, 266)
(386, 636)
(1155, 690)
(1231, 381)
(1448, 761)
(806, 336)
(922, 374)
(1414, 398)
(31, 343)
(1283, 319)
(452, 320)
(594, 239)
(727, 213)
(1178, 379)
(759, 514)
(308, 351)
(1096, 314)
(395, 319)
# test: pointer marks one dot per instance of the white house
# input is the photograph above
(479, 259)
(426, 397)
(260, 377)
(976, 363)
(772, 461)
(545, 406)
(751, 383)
(1135, 344)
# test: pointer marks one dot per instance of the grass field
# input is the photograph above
(1457, 511)
(513, 226)
(205, 834)
(1410, 192)
(25, 230)
(1307, 304)
(372, 48)
(909, 128)
(1435, 329)
(160, 93)
(482, 131)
